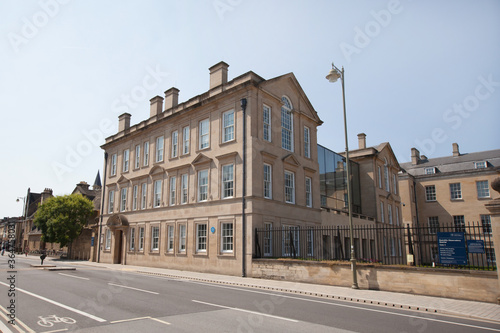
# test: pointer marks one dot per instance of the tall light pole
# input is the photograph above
(333, 76)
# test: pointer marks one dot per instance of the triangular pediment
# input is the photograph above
(122, 179)
(304, 107)
(200, 159)
(291, 160)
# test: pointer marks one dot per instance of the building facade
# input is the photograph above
(451, 190)
(185, 188)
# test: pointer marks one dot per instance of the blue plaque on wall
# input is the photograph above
(451, 247)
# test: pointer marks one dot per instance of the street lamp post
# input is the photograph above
(333, 76)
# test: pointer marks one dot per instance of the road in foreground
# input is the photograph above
(91, 299)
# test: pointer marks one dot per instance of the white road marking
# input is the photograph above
(145, 291)
(18, 322)
(4, 329)
(131, 319)
(355, 307)
(140, 318)
(161, 321)
(88, 315)
(248, 311)
(73, 276)
(54, 331)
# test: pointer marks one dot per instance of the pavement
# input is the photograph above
(427, 304)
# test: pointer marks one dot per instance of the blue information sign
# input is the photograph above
(212, 229)
(475, 246)
(451, 247)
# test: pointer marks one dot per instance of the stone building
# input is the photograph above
(450, 190)
(186, 187)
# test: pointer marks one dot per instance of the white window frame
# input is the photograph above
(266, 119)
(107, 245)
(386, 177)
(160, 143)
(155, 238)
(201, 237)
(483, 190)
(228, 126)
(307, 142)
(394, 184)
(486, 224)
(433, 224)
(268, 181)
(185, 140)
(132, 239)
(184, 188)
(111, 201)
(310, 241)
(203, 187)
(113, 165)
(170, 238)
(268, 239)
(227, 237)
(175, 144)
(141, 239)
(289, 184)
(137, 156)
(145, 161)
(123, 199)
(204, 134)
(308, 192)
(379, 169)
(430, 170)
(182, 238)
(134, 197)
(157, 193)
(227, 181)
(389, 213)
(382, 215)
(459, 223)
(480, 165)
(287, 243)
(126, 160)
(173, 181)
(286, 125)
(430, 193)
(456, 191)
(144, 195)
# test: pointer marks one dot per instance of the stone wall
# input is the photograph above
(461, 284)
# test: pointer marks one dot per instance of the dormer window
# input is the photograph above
(430, 171)
(480, 165)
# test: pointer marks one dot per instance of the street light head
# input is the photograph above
(333, 75)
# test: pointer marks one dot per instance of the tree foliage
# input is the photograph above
(62, 218)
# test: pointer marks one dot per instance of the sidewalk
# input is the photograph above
(426, 304)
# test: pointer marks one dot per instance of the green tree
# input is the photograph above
(62, 218)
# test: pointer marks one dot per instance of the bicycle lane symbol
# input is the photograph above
(49, 321)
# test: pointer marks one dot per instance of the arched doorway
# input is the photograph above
(119, 226)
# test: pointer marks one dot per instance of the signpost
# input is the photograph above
(475, 246)
(451, 247)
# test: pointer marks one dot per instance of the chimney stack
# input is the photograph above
(456, 152)
(361, 140)
(156, 106)
(415, 156)
(83, 184)
(171, 98)
(46, 194)
(218, 74)
(124, 122)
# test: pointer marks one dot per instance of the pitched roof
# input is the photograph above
(462, 162)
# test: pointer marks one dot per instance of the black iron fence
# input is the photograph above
(384, 244)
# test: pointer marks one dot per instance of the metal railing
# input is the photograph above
(382, 243)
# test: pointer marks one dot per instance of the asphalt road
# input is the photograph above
(102, 300)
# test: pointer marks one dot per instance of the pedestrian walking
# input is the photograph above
(42, 257)
(26, 250)
(3, 248)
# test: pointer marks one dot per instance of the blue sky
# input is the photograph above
(418, 74)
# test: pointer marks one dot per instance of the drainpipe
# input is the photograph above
(243, 102)
(102, 207)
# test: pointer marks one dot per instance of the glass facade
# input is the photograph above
(333, 181)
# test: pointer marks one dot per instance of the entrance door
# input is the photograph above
(117, 257)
